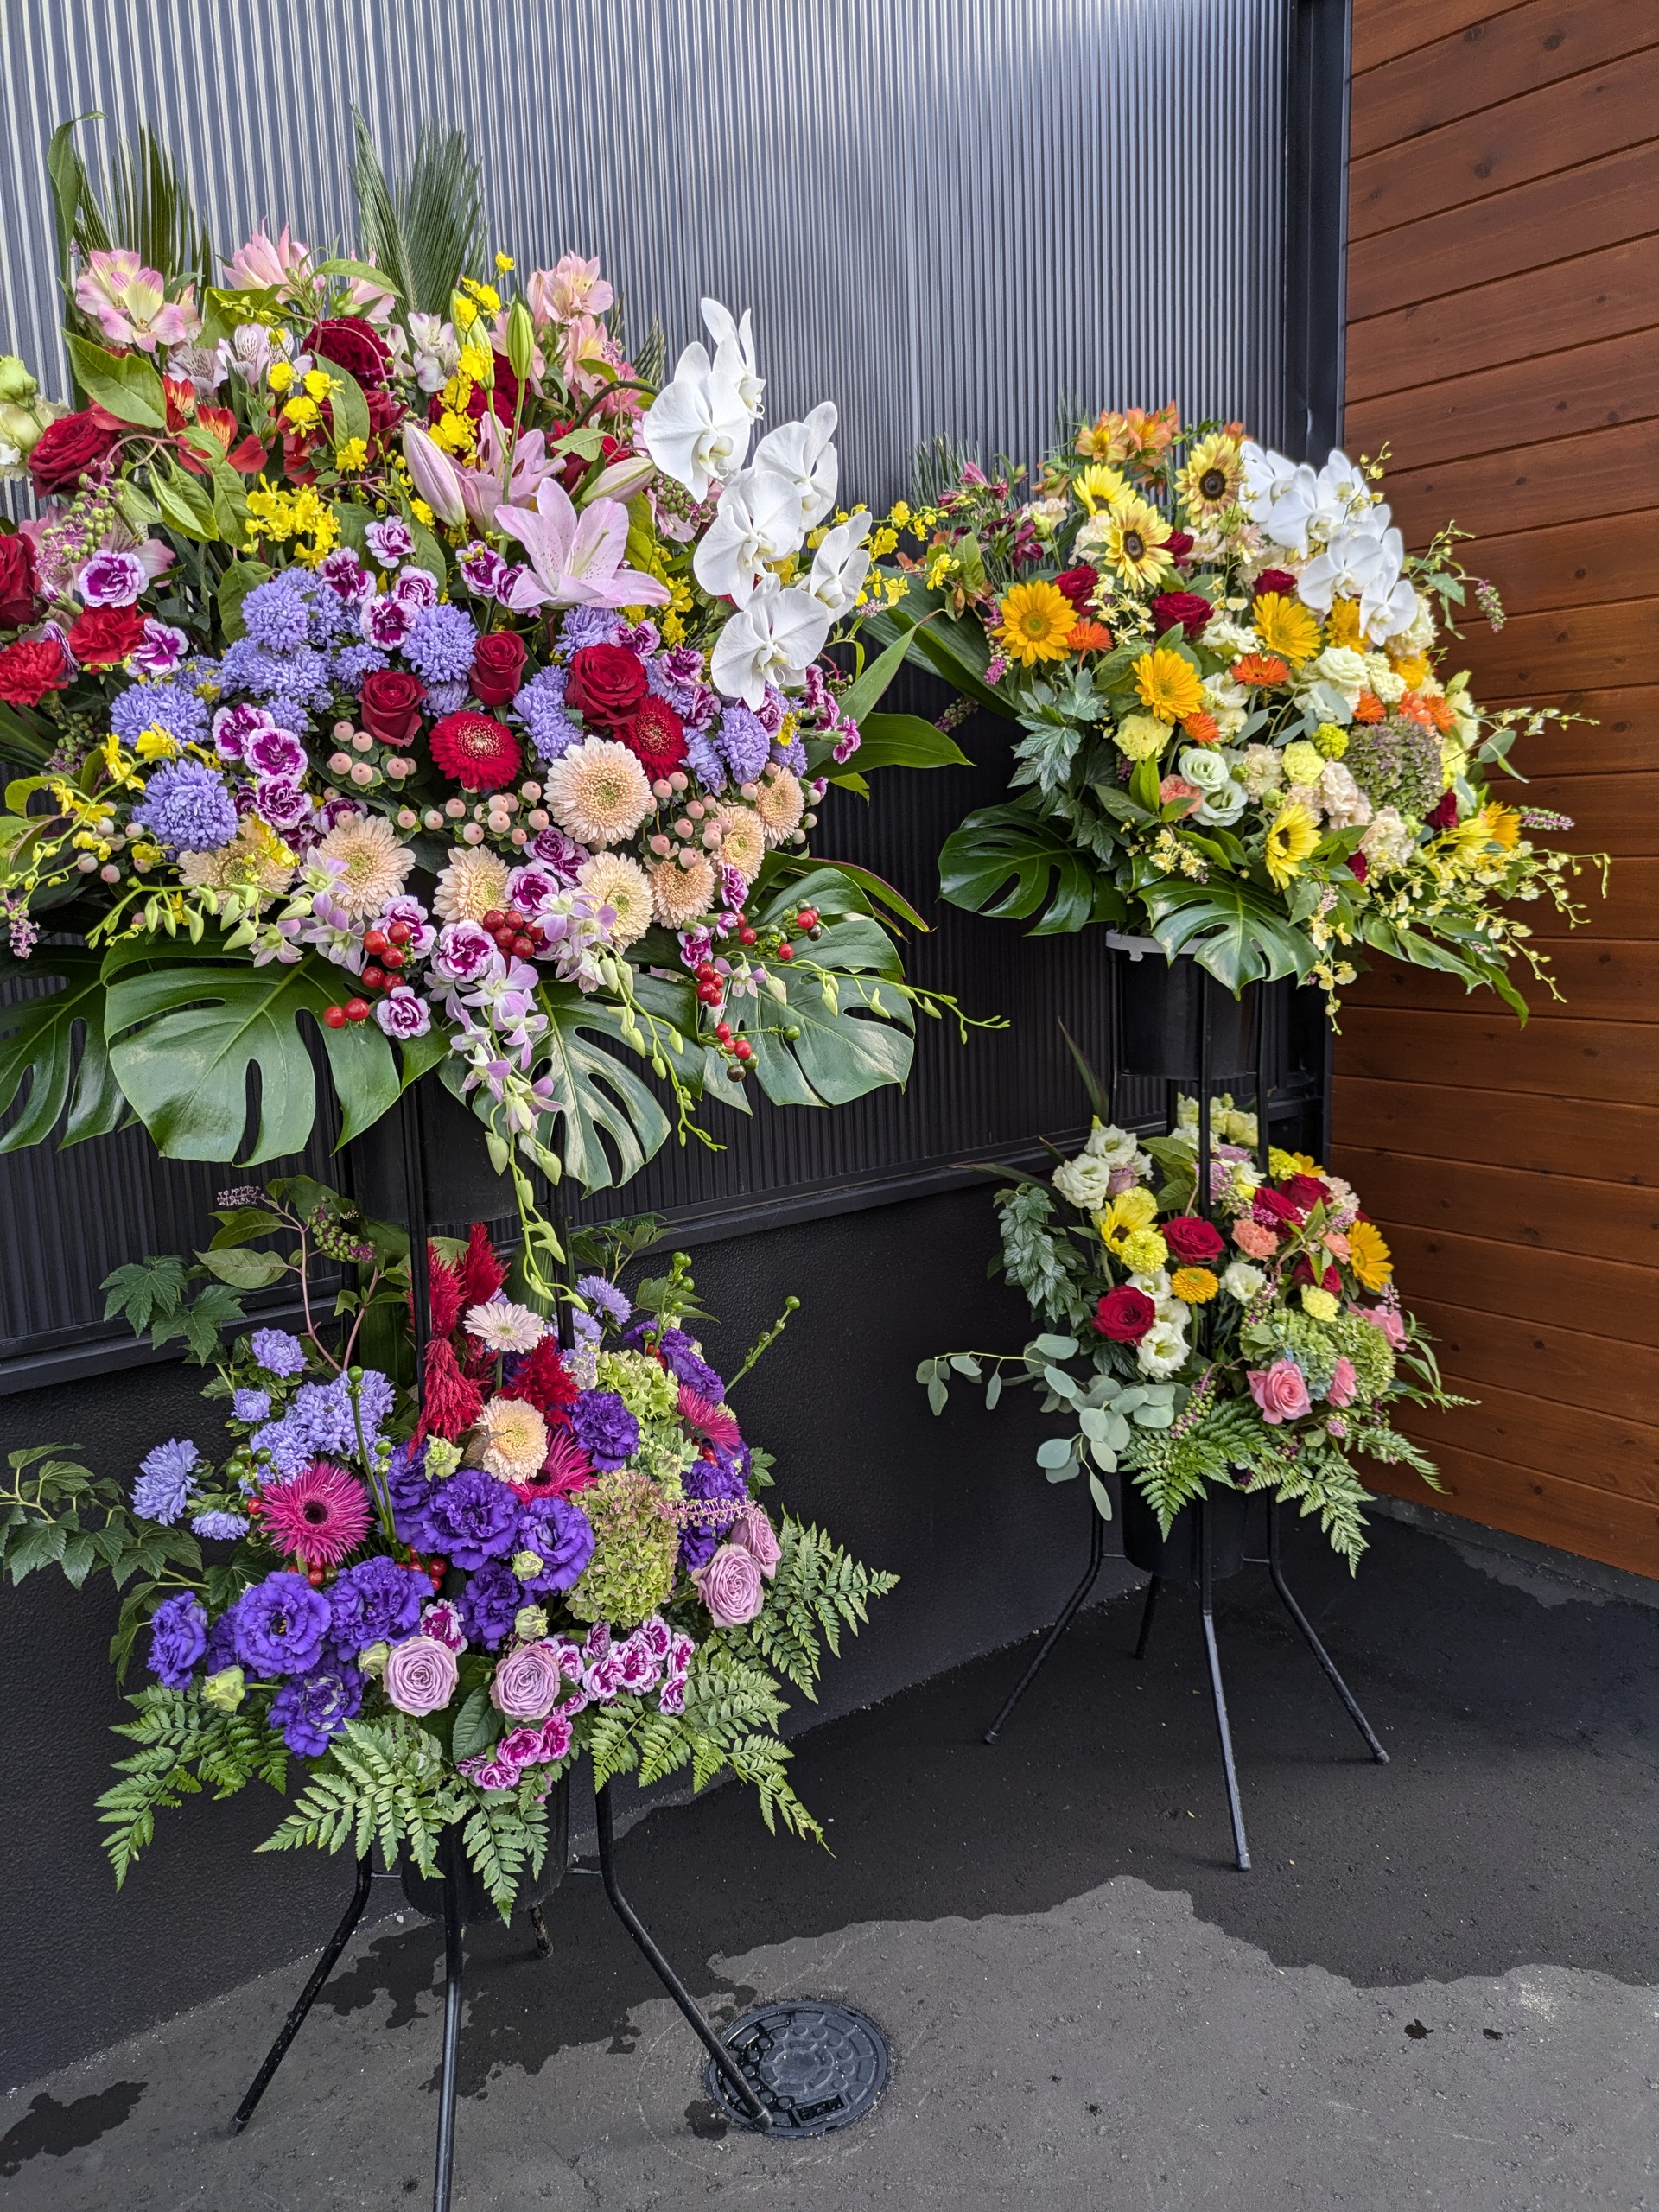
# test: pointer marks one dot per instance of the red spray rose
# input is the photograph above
(354, 346)
(17, 597)
(480, 754)
(1190, 608)
(1358, 867)
(389, 701)
(1192, 1240)
(1328, 1279)
(498, 667)
(70, 446)
(31, 669)
(1306, 1191)
(1178, 544)
(99, 637)
(1125, 1315)
(1444, 814)
(655, 735)
(606, 682)
(1078, 585)
(1275, 579)
(1273, 1211)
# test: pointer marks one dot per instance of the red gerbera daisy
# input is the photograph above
(318, 1515)
(479, 753)
(655, 735)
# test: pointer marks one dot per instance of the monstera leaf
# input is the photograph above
(185, 1036)
(1007, 861)
(57, 1040)
(596, 1097)
(1239, 932)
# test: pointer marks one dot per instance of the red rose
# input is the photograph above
(1078, 585)
(1444, 815)
(1190, 608)
(17, 597)
(1358, 867)
(102, 636)
(354, 346)
(1125, 1315)
(498, 667)
(1192, 1240)
(1306, 1191)
(1273, 1211)
(1303, 1273)
(480, 753)
(1277, 580)
(655, 735)
(606, 683)
(389, 701)
(31, 669)
(71, 446)
(1178, 544)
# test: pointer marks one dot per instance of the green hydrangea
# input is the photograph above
(636, 1549)
(665, 1452)
(647, 1391)
(1317, 1345)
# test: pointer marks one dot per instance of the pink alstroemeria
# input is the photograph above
(575, 559)
(129, 302)
(572, 288)
(262, 265)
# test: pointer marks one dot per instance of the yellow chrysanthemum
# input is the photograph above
(1291, 838)
(1098, 486)
(1286, 627)
(1144, 1251)
(1342, 625)
(1411, 668)
(1208, 481)
(1369, 1259)
(1130, 1210)
(1168, 684)
(1194, 1285)
(1037, 620)
(1134, 541)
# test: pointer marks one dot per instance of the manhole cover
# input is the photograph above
(815, 2067)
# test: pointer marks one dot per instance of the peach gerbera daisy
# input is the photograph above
(373, 866)
(598, 792)
(622, 886)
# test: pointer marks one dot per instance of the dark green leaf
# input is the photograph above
(58, 1042)
(906, 741)
(1006, 861)
(597, 1100)
(245, 1270)
(126, 384)
(238, 580)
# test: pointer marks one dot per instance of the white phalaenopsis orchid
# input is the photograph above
(575, 560)
(776, 638)
(802, 451)
(734, 353)
(696, 429)
(1364, 561)
(841, 564)
(758, 521)
(1297, 507)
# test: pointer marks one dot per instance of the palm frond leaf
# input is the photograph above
(427, 231)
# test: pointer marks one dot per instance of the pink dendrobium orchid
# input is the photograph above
(575, 560)
(129, 302)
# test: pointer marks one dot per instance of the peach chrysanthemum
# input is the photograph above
(598, 792)
(742, 840)
(509, 1440)
(375, 863)
(473, 884)
(622, 886)
(679, 894)
(780, 802)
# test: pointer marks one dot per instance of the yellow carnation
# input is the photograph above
(1140, 737)
(1144, 1251)
(1320, 1305)
(1304, 763)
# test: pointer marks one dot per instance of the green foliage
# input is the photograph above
(818, 1591)
(1047, 1267)
(148, 207)
(382, 1781)
(56, 1041)
(183, 1748)
(505, 1835)
(604, 1124)
(1235, 930)
(426, 232)
(54, 1512)
(1008, 862)
(151, 1294)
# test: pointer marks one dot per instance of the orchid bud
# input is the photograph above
(435, 476)
(521, 340)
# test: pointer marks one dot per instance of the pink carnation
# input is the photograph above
(1254, 1241)
(1344, 1383)
(1281, 1392)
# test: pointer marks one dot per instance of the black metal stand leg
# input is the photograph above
(538, 1929)
(1206, 1598)
(1147, 1611)
(1097, 1552)
(295, 2020)
(624, 1912)
(1314, 1643)
(454, 1963)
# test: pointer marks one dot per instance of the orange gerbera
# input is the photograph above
(1368, 707)
(1260, 668)
(1416, 710)
(1088, 637)
(1442, 714)
(1203, 728)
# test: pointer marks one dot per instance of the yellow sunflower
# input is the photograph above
(1291, 838)
(1134, 541)
(1037, 621)
(1369, 1258)
(1208, 481)
(1098, 486)
(1168, 684)
(1286, 627)
(1130, 1212)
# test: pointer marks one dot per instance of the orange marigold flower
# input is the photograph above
(1203, 728)
(1260, 668)
(1088, 637)
(1368, 707)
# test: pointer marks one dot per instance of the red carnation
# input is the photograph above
(1192, 1240)
(1306, 1191)
(31, 669)
(354, 346)
(1190, 608)
(1125, 1315)
(67, 448)
(654, 734)
(101, 636)
(449, 1404)
(1078, 585)
(1178, 544)
(1358, 867)
(389, 701)
(1276, 579)
(1444, 814)
(481, 1274)
(498, 667)
(606, 682)
(18, 602)
(480, 753)
(544, 1380)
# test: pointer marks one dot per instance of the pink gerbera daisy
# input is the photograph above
(318, 1515)
(717, 1423)
(566, 1468)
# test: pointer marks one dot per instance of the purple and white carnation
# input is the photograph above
(640, 1669)
(178, 1637)
(465, 953)
(441, 1621)
(234, 726)
(165, 1481)
(162, 651)
(390, 541)
(416, 587)
(346, 576)
(112, 579)
(560, 855)
(482, 568)
(402, 1013)
(386, 622)
(274, 755)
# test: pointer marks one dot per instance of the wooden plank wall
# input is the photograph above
(1504, 336)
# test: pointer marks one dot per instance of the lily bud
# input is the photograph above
(16, 382)
(621, 479)
(437, 478)
(521, 340)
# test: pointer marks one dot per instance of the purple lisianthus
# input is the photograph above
(409, 1490)
(440, 644)
(218, 1526)
(556, 1532)
(604, 1427)
(699, 1540)
(280, 1625)
(385, 622)
(605, 1295)
(166, 1478)
(111, 579)
(310, 1710)
(743, 742)
(473, 1517)
(162, 651)
(178, 1637)
(490, 1603)
(221, 1645)
(390, 541)
(401, 1013)
(176, 708)
(345, 576)
(251, 1405)
(186, 808)
(465, 954)
(376, 1601)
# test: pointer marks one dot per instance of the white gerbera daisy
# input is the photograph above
(500, 1326)
(509, 1440)
(622, 886)
(598, 792)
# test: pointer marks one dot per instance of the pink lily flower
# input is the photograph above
(575, 560)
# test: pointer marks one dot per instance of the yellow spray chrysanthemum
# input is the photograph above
(1194, 1285)
(1130, 1212)
(1168, 684)
(1144, 1251)
(1369, 1259)
(1098, 486)
(1286, 627)
(1291, 838)
(1133, 540)
(1037, 622)
(1343, 627)
(1208, 481)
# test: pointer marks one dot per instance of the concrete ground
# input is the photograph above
(1439, 1986)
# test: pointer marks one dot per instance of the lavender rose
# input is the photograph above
(753, 1528)
(731, 1585)
(527, 1682)
(420, 1675)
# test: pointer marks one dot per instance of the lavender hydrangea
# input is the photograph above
(278, 1353)
(312, 1709)
(165, 1481)
(473, 1517)
(178, 1637)
(280, 1625)
(175, 707)
(440, 644)
(187, 808)
(490, 1603)
(604, 1427)
(376, 1601)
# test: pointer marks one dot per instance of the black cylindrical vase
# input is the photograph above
(1161, 1009)
(1174, 1558)
(425, 1892)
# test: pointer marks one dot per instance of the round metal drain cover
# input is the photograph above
(815, 2067)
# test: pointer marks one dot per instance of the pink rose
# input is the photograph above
(1344, 1384)
(731, 1586)
(1384, 1318)
(1252, 1239)
(421, 1675)
(753, 1528)
(1281, 1392)
(527, 1682)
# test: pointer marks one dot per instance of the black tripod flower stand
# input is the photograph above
(1180, 1038)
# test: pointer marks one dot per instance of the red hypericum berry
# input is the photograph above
(743, 1049)
(357, 1010)
(745, 935)
(375, 942)
(400, 932)
(334, 1016)
(523, 946)
(393, 957)
(723, 1032)
(313, 1576)
(495, 920)
(373, 978)
(785, 952)
(514, 919)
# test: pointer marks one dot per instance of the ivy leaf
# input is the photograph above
(57, 1041)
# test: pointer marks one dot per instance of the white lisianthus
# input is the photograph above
(775, 638)
(1084, 1182)
(1155, 1286)
(1162, 1351)
(1118, 1148)
(1228, 639)
(1209, 766)
(1241, 1280)
(1223, 807)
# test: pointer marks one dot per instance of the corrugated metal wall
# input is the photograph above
(945, 215)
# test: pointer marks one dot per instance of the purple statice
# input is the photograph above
(276, 614)
(605, 1295)
(558, 1532)
(280, 1626)
(490, 1603)
(352, 663)
(375, 1602)
(604, 1427)
(178, 1637)
(166, 1478)
(311, 1710)
(439, 647)
(178, 709)
(589, 626)
(704, 762)
(186, 808)
(539, 705)
(682, 1357)
(390, 541)
(251, 1405)
(473, 1517)
(219, 1527)
(743, 742)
